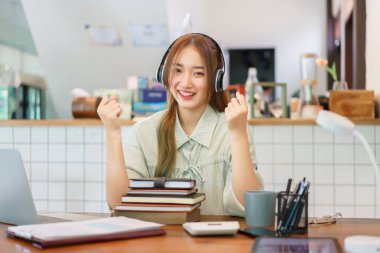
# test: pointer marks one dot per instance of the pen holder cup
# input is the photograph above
(292, 213)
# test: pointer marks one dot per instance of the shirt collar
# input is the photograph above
(203, 131)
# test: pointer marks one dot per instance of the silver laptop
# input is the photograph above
(16, 201)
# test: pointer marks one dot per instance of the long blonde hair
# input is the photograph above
(166, 141)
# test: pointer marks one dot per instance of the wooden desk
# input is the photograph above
(177, 240)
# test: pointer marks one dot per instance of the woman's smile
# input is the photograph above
(186, 95)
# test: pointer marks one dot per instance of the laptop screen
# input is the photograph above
(16, 201)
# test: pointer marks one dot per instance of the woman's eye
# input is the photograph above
(177, 70)
(199, 74)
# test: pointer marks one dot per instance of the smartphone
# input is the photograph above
(259, 232)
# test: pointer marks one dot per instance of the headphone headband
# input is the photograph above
(219, 85)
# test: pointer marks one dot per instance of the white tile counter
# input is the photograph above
(65, 163)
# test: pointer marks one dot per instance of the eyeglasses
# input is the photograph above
(327, 219)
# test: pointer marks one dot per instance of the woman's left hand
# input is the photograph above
(236, 114)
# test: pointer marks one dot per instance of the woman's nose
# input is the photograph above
(187, 80)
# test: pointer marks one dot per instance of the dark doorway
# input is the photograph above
(355, 32)
(242, 59)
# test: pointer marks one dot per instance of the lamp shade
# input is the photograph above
(335, 123)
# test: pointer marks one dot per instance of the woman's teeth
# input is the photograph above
(186, 94)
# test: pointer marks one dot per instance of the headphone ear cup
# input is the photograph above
(224, 84)
(219, 81)
(159, 74)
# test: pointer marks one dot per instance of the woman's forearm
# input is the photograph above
(243, 174)
(117, 181)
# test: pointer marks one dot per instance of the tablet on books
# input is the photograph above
(292, 244)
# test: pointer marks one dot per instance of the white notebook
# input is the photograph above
(64, 233)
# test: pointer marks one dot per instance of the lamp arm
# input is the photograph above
(369, 152)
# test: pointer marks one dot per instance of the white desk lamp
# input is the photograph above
(341, 125)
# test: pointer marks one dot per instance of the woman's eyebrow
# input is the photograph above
(181, 65)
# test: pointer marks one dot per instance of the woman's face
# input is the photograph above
(188, 82)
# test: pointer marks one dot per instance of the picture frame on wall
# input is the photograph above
(272, 102)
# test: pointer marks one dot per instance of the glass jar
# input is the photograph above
(340, 85)
(308, 106)
(308, 67)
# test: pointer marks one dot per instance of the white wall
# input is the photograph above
(372, 46)
(292, 27)
(68, 59)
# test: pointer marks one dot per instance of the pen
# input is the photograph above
(287, 195)
(301, 207)
(288, 186)
(284, 205)
(298, 206)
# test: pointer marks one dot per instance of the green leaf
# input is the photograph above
(333, 74)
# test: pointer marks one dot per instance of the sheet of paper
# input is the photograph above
(149, 35)
(104, 35)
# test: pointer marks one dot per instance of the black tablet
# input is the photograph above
(296, 245)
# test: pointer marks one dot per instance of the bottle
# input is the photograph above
(308, 106)
(253, 94)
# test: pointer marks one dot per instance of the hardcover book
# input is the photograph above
(162, 217)
(144, 107)
(190, 200)
(156, 207)
(147, 191)
(153, 95)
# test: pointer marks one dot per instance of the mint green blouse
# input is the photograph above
(204, 156)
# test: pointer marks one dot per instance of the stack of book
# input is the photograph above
(149, 96)
(150, 100)
(166, 201)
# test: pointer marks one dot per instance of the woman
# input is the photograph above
(193, 138)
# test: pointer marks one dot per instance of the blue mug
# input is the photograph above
(260, 208)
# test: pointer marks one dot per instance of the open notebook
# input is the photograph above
(66, 233)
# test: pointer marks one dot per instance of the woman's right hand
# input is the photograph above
(109, 111)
